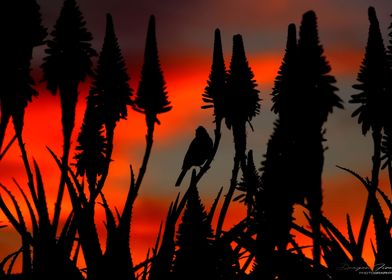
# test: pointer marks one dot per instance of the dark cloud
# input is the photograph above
(186, 27)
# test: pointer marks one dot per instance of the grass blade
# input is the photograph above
(366, 218)
(13, 260)
(68, 235)
(76, 254)
(29, 206)
(42, 208)
(8, 147)
(356, 175)
(158, 240)
(17, 223)
(386, 199)
(24, 234)
(145, 270)
(8, 257)
(351, 237)
(77, 200)
(111, 227)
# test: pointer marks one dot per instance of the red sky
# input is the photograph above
(185, 40)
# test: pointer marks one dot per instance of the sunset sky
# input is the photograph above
(185, 39)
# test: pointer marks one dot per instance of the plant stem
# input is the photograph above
(229, 196)
(150, 120)
(68, 98)
(126, 217)
(239, 135)
(374, 184)
(90, 242)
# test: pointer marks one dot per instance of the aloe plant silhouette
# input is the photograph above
(213, 96)
(110, 91)
(198, 152)
(23, 36)
(67, 63)
(318, 84)
(284, 94)
(151, 100)
(240, 106)
(373, 80)
(107, 103)
(275, 204)
(387, 140)
(214, 93)
(319, 98)
(92, 145)
(278, 192)
(303, 96)
(163, 254)
(250, 186)
(390, 44)
(242, 102)
(195, 257)
(151, 96)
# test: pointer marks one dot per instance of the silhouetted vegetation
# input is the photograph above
(23, 36)
(215, 91)
(67, 63)
(319, 98)
(241, 106)
(372, 113)
(195, 257)
(264, 244)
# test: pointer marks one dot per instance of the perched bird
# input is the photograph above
(198, 152)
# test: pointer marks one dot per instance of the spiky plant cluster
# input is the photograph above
(372, 78)
(22, 37)
(260, 246)
(242, 102)
(151, 97)
(195, 255)
(110, 89)
(215, 91)
(109, 96)
(92, 145)
(69, 51)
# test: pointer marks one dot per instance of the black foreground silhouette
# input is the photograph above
(264, 244)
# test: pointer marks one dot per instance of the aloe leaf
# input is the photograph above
(42, 208)
(29, 206)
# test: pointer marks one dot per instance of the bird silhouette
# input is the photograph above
(198, 152)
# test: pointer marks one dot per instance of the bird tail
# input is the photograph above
(182, 175)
